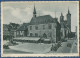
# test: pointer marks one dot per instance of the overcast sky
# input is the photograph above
(22, 12)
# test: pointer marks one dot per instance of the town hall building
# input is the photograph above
(44, 27)
(47, 27)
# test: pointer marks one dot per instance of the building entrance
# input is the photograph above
(44, 35)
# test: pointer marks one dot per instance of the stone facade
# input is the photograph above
(19, 33)
(22, 31)
(44, 27)
(43, 30)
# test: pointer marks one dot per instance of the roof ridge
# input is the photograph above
(43, 16)
(42, 19)
(22, 27)
(18, 27)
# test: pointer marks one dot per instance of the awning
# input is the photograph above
(27, 38)
(46, 39)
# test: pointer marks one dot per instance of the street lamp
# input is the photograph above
(51, 41)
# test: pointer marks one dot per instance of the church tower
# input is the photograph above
(62, 26)
(69, 20)
(34, 12)
(61, 18)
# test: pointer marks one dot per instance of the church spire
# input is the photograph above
(55, 14)
(69, 20)
(61, 14)
(68, 11)
(34, 12)
(61, 18)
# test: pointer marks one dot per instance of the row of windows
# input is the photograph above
(36, 34)
(44, 35)
(36, 27)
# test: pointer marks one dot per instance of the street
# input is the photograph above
(65, 49)
(41, 48)
(11, 51)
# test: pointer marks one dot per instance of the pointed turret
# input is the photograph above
(68, 11)
(61, 18)
(34, 12)
(61, 14)
(69, 19)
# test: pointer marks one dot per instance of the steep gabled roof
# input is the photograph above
(23, 27)
(43, 19)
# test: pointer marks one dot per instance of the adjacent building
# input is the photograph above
(6, 33)
(12, 28)
(22, 31)
(65, 26)
(8, 30)
(69, 20)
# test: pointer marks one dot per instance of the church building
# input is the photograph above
(44, 27)
(65, 25)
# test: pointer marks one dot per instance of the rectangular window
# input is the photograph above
(36, 27)
(17, 33)
(31, 34)
(49, 34)
(43, 26)
(36, 35)
(61, 34)
(30, 27)
(49, 26)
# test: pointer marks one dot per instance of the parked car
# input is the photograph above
(69, 45)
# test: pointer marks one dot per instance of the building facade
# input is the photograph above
(12, 28)
(6, 33)
(22, 31)
(44, 26)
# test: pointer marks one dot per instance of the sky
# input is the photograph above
(22, 12)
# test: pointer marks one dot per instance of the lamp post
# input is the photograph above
(76, 32)
(51, 41)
